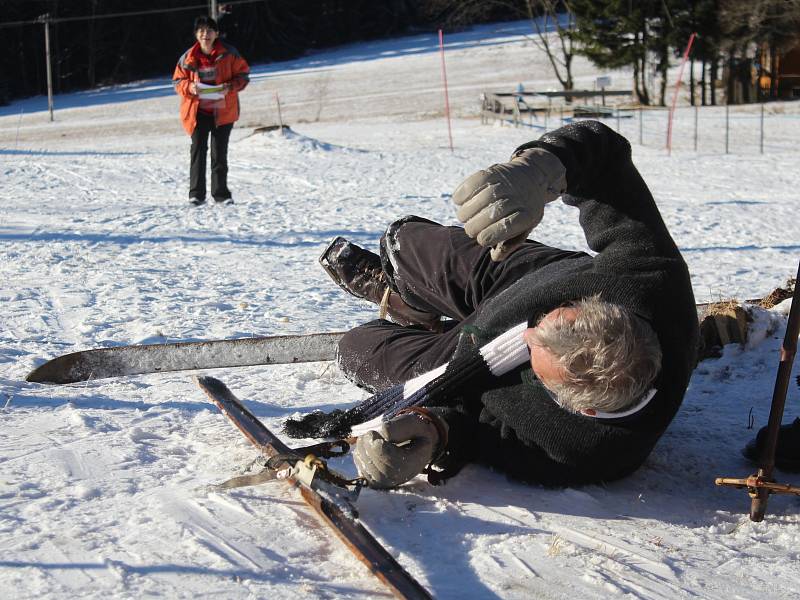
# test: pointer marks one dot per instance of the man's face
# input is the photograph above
(543, 363)
(206, 36)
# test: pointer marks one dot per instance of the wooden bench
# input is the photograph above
(509, 106)
(513, 106)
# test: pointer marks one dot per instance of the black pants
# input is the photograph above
(219, 158)
(440, 270)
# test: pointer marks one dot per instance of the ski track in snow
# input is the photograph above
(104, 485)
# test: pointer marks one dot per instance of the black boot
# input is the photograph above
(355, 270)
(358, 272)
(787, 451)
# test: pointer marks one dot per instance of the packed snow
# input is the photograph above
(105, 485)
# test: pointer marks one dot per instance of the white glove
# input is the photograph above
(501, 205)
(400, 450)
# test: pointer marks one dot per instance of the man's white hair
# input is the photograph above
(609, 356)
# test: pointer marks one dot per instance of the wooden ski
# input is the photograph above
(322, 489)
(121, 361)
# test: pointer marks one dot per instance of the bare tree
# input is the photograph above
(614, 34)
(551, 26)
(320, 93)
(559, 51)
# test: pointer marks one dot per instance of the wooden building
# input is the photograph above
(779, 73)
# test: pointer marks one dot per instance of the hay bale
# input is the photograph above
(779, 294)
(723, 323)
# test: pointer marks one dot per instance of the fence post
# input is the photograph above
(280, 117)
(761, 139)
(696, 111)
(45, 19)
(727, 127)
(446, 98)
(641, 126)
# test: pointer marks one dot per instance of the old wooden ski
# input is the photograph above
(328, 493)
(120, 361)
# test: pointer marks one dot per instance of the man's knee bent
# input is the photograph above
(356, 354)
(391, 259)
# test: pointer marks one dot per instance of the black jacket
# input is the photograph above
(515, 425)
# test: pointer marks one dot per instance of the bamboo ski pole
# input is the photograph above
(761, 485)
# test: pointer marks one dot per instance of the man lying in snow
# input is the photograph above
(552, 365)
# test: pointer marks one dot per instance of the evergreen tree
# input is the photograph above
(615, 34)
(700, 17)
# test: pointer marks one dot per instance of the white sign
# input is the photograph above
(603, 82)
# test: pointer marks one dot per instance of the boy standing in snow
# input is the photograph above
(552, 365)
(208, 78)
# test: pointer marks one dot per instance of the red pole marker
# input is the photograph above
(446, 99)
(675, 94)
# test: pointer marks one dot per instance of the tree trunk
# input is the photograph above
(760, 95)
(639, 84)
(548, 10)
(745, 76)
(774, 71)
(645, 90)
(569, 85)
(713, 79)
(663, 68)
(703, 83)
(730, 83)
(122, 48)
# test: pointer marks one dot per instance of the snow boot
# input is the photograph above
(359, 273)
(787, 452)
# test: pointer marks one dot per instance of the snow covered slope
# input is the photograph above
(104, 485)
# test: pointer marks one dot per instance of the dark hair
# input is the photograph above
(203, 22)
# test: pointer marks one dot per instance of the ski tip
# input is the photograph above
(50, 373)
(74, 367)
(206, 381)
(212, 386)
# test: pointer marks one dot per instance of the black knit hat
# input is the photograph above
(203, 22)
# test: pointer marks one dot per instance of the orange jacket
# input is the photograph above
(231, 68)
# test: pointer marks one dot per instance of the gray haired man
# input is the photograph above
(612, 336)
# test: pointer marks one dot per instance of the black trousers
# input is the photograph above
(440, 270)
(219, 158)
